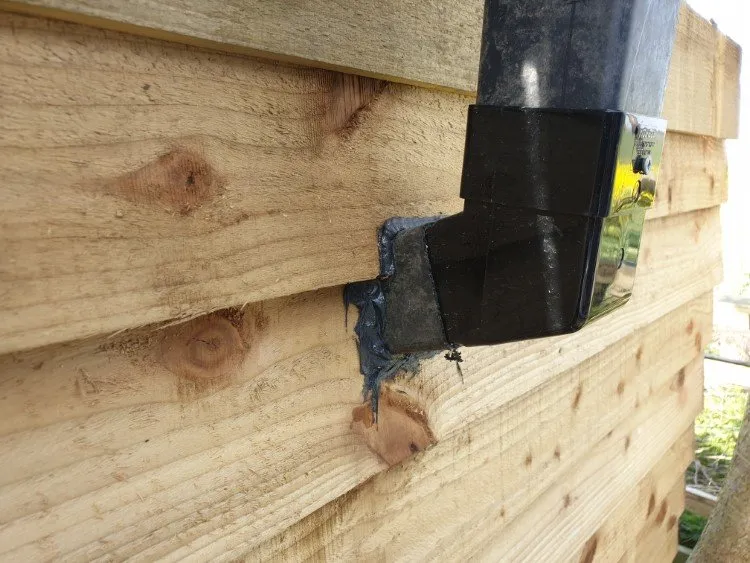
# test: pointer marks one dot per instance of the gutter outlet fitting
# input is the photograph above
(560, 166)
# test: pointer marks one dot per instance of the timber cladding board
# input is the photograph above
(653, 505)
(433, 42)
(132, 452)
(444, 504)
(200, 512)
(659, 541)
(672, 273)
(146, 181)
(593, 492)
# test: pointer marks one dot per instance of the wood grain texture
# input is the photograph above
(652, 504)
(432, 43)
(693, 175)
(146, 181)
(704, 79)
(427, 43)
(191, 438)
(452, 502)
(145, 442)
(659, 538)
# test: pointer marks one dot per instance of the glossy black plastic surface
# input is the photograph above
(550, 160)
(505, 274)
(550, 232)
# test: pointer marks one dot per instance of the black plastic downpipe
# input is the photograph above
(560, 165)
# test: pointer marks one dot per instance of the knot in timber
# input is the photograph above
(181, 180)
(206, 348)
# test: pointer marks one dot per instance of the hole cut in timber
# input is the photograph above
(402, 428)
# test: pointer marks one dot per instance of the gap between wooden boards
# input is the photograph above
(274, 442)
(428, 44)
(145, 181)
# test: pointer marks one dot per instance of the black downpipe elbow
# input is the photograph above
(557, 176)
(548, 238)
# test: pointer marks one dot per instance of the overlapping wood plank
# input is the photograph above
(208, 439)
(703, 87)
(145, 181)
(451, 501)
(654, 504)
(433, 43)
(659, 538)
(156, 443)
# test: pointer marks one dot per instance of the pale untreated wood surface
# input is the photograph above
(428, 43)
(158, 442)
(659, 538)
(432, 42)
(124, 454)
(693, 166)
(146, 181)
(703, 72)
(451, 501)
(653, 506)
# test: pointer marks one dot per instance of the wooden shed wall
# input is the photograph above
(146, 182)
